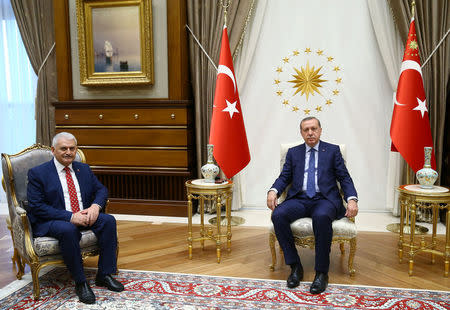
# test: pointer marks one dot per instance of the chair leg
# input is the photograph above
(272, 250)
(35, 276)
(351, 256)
(18, 264)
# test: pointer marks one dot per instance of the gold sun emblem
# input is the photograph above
(413, 45)
(307, 81)
(314, 75)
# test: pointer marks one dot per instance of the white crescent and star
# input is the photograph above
(412, 65)
(231, 107)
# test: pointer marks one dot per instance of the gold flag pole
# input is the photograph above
(395, 227)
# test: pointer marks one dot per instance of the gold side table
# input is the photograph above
(411, 197)
(219, 194)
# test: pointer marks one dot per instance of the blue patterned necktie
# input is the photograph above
(310, 183)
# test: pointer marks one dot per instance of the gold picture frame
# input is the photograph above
(115, 42)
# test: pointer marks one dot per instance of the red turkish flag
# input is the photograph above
(410, 125)
(227, 125)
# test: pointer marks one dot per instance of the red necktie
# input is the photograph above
(72, 191)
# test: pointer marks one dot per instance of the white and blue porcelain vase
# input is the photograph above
(427, 176)
(210, 170)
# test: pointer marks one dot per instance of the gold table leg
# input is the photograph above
(401, 232)
(412, 214)
(189, 239)
(447, 243)
(218, 212)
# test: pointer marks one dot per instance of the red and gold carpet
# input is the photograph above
(157, 290)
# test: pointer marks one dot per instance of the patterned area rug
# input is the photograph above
(156, 290)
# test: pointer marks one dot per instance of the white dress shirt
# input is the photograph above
(63, 180)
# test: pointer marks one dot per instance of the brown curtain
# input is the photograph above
(35, 22)
(431, 25)
(206, 20)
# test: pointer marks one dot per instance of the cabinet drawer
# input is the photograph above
(135, 157)
(157, 116)
(128, 136)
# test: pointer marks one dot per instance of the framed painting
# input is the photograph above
(115, 42)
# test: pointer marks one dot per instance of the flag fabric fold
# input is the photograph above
(227, 132)
(410, 125)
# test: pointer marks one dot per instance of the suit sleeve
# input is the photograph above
(285, 176)
(343, 176)
(38, 203)
(99, 191)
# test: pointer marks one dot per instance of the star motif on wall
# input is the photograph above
(336, 69)
(307, 111)
(286, 59)
(318, 108)
(421, 106)
(296, 52)
(330, 58)
(338, 80)
(294, 109)
(320, 52)
(231, 108)
(328, 102)
(279, 70)
(279, 92)
(335, 92)
(307, 50)
(277, 81)
(285, 102)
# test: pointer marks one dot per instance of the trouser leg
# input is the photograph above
(69, 238)
(323, 214)
(282, 217)
(105, 230)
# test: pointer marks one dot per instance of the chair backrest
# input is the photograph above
(15, 172)
(283, 151)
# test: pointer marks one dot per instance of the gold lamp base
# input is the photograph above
(395, 228)
(235, 220)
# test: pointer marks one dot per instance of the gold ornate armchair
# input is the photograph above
(344, 230)
(36, 252)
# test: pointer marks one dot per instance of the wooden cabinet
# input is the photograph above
(142, 151)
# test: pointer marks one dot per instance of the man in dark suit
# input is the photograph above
(65, 197)
(313, 168)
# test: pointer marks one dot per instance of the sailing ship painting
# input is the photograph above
(116, 39)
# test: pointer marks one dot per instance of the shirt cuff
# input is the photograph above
(99, 206)
(352, 198)
(274, 189)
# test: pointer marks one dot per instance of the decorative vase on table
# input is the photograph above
(427, 176)
(210, 170)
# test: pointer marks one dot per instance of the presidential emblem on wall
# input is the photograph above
(308, 81)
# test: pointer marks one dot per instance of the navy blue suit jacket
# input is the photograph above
(331, 169)
(46, 198)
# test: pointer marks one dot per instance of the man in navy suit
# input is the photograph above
(313, 168)
(65, 197)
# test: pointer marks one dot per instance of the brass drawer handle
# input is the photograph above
(100, 116)
(172, 116)
(136, 116)
(66, 116)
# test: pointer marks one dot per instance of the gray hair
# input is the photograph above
(63, 134)
(308, 119)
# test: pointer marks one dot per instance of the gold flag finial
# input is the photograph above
(413, 8)
(225, 10)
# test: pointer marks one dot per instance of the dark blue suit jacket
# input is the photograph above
(46, 198)
(331, 169)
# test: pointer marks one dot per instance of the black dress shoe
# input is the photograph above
(296, 276)
(109, 282)
(84, 293)
(319, 284)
